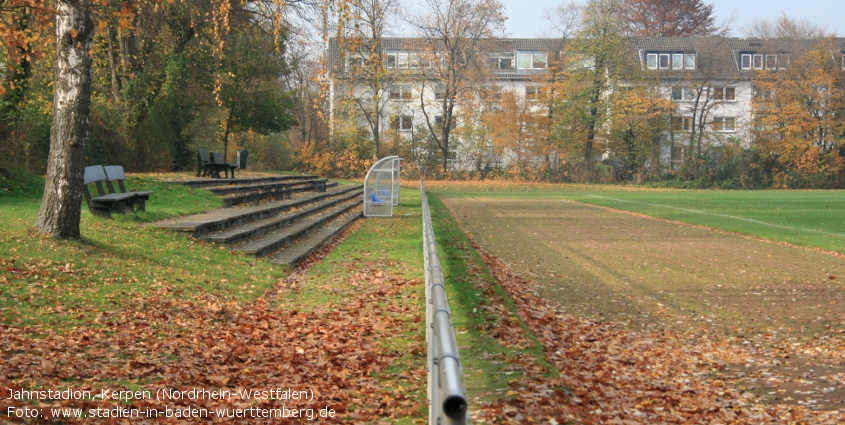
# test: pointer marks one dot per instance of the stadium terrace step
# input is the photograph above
(266, 244)
(316, 240)
(304, 213)
(216, 220)
(256, 228)
(275, 191)
(197, 183)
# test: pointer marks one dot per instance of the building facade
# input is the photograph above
(709, 80)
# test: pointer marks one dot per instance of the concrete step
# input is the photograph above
(253, 229)
(273, 192)
(195, 183)
(307, 245)
(241, 189)
(271, 242)
(216, 220)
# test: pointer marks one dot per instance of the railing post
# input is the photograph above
(446, 392)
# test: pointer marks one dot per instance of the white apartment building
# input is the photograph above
(709, 79)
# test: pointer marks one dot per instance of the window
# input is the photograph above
(680, 124)
(724, 93)
(745, 61)
(751, 61)
(675, 61)
(683, 94)
(532, 92)
(678, 61)
(761, 93)
(438, 121)
(396, 60)
(402, 122)
(356, 62)
(399, 93)
(501, 61)
(724, 124)
(771, 61)
(530, 60)
(439, 94)
(651, 60)
(778, 61)
(420, 61)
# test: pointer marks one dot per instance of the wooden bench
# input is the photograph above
(115, 174)
(212, 164)
(220, 165)
(204, 165)
(103, 204)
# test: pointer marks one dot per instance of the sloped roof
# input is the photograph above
(717, 58)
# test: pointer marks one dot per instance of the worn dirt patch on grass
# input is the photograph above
(652, 275)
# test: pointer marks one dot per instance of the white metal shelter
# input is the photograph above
(381, 187)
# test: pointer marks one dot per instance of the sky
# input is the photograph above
(525, 17)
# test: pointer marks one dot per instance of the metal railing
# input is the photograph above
(446, 393)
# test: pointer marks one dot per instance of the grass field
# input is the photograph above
(811, 218)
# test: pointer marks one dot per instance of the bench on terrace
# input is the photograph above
(212, 164)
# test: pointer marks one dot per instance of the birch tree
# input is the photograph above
(60, 208)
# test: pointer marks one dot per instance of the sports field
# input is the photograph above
(811, 218)
(657, 260)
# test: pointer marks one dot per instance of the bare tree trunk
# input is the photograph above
(376, 122)
(60, 208)
(115, 80)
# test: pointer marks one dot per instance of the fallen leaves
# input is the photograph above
(336, 350)
(613, 375)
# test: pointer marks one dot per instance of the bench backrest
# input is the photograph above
(93, 174)
(202, 155)
(216, 158)
(114, 173)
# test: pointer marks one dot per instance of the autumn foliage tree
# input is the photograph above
(454, 30)
(518, 127)
(800, 116)
(364, 24)
(639, 123)
(593, 63)
(162, 59)
(669, 18)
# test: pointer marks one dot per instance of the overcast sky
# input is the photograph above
(525, 17)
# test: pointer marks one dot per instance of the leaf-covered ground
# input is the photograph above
(133, 308)
(338, 350)
(616, 366)
(614, 375)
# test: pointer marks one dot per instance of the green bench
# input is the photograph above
(212, 164)
(115, 174)
(104, 203)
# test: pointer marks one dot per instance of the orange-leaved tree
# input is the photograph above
(800, 117)
(75, 26)
(638, 125)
